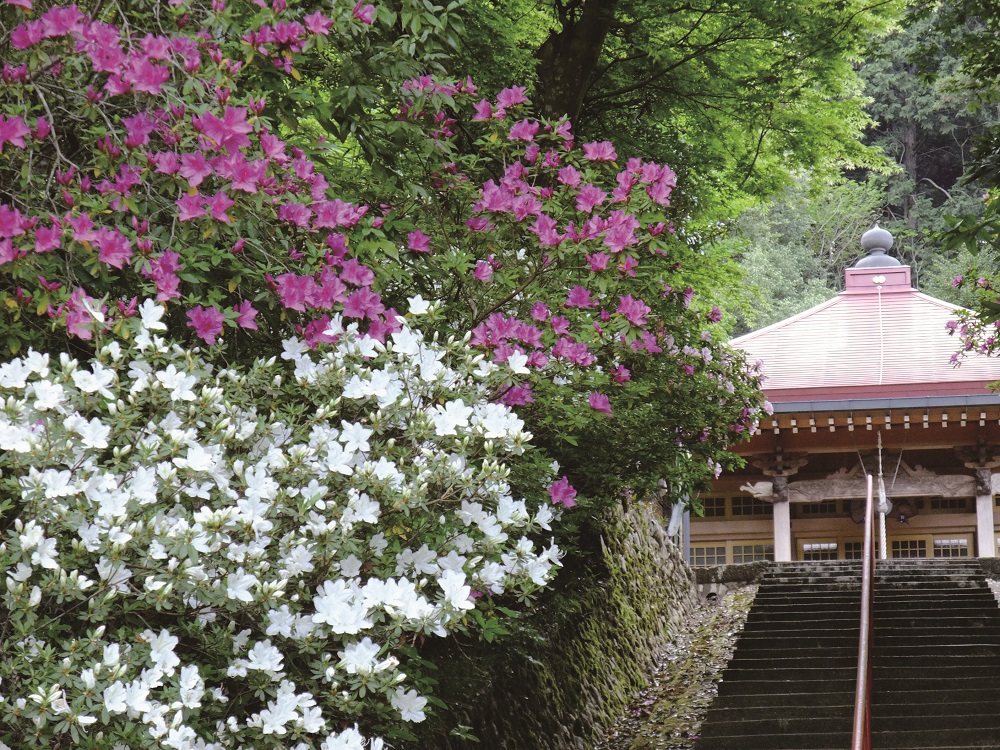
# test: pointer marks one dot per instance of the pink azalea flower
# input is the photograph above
(191, 206)
(511, 96)
(598, 261)
(484, 111)
(337, 213)
(80, 321)
(562, 493)
(599, 402)
(13, 131)
(634, 310)
(245, 314)
(8, 252)
(145, 76)
(518, 395)
(363, 303)
(218, 204)
(540, 312)
(296, 214)
(27, 35)
(660, 192)
(163, 271)
(570, 175)
(599, 151)
(48, 238)
(11, 222)
(195, 168)
(418, 242)
(103, 46)
(524, 130)
(545, 228)
(156, 47)
(537, 360)
(116, 86)
(580, 297)
(628, 266)
(206, 322)
(621, 374)
(318, 23)
(164, 162)
(26, 4)
(364, 13)
(42, 129)
(245, 175)
(61, 21)
(357, 273)
(137, 129)
(82, 226)
(273, 147)
(228, 132)
(483, 272)
(113, 248)
(294, 291)
(560, 325)
(589, 198)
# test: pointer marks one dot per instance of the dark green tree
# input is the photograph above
(734, 95)
(928, 122)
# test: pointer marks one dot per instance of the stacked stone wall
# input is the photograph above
(574, 666)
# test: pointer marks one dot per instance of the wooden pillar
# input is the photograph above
(782, 521)
(987, 542)
(983, 465)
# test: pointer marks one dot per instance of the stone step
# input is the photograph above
(815, 741)
(766, 700)
(735, 713)
(781, 676)
(954, 738)
(936, 660)
(753, 728)
(917, 673)
(960, 704)
(813, 684)
(961, 718)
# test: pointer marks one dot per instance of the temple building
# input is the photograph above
(872, 366)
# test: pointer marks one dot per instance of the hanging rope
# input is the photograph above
(883, 503)
(881, 337)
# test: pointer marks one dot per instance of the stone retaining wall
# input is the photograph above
(590, 649)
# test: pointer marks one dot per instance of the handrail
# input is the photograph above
(862, 736)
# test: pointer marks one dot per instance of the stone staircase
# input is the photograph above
(936, 660)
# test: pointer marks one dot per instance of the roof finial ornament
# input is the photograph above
(876, 241)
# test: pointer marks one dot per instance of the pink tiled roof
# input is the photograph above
(867, 343)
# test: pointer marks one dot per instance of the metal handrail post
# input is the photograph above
(862, 734)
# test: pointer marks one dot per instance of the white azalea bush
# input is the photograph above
(197, 557)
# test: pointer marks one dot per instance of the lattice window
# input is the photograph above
(744, 505)
(715, 507)
(744, 553)
(909, 548)
(813, 510)
(949, 503)
(854, 550)
(951, 547)
(819, 551)
(703, 556)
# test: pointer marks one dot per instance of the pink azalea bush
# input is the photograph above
(166, 182)
(566, 265)
(206, 557)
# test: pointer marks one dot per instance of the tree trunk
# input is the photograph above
(568, 58)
